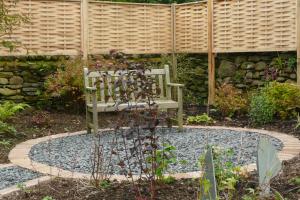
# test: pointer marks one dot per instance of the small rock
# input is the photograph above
(283, 73)
(260, 66)
(31, 93)
(258, 83)
(293, 76)
(262, 73)
(254, 58)
(290, 81)
(249, 75)
(256, 75)
(29, 89)
(247, 65)
(32, 84)
(240, 59)
(8, 92)
(14, 86)
(6, 74)
(241, 86)
(15, 80)
(280, 79)
(288, 70)
(3, 81)
(227, 80)
(226, 69)
(16, 97)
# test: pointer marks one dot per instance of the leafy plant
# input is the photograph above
(41, 118)
(168, 179)
(282, 99)
(200, 119)
(227, 174)
(7, 110)
(262, 109)
(23, 188)
(48, 198)
(5, 143)
(105, 184)
(286, 98)
(295, 180)
(6, 128)
(229, 100)
(282, 62)
(192, 72)
(164, 158)
(9, 22)
(65, 86)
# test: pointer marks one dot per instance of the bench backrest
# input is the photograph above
(107, 91)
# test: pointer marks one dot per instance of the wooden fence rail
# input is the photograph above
(93, 27)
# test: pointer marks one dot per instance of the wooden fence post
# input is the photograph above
(173, 29)
(298, 42)
(211, 56)
(84, 29)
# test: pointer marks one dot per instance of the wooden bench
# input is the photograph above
(99, 83)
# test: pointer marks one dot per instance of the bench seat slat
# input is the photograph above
(110, 106)
(96, 74)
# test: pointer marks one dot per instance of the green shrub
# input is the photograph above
(199, 119)
(65, 86)
(7, 110)
(192, 72)
(229, 100)
(262, 109)
(286, 98)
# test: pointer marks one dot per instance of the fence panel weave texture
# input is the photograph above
(254, 25)
(54, 28)
(130, 28)
(191, 28)
(238, 26)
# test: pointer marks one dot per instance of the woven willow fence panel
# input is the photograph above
(191, 28)
(238, 26)
(254, 25)
(54, 28)
(131, 28)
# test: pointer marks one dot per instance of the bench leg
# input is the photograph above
(180, 109)
(95, 122)
(88, 120)
(180, 118)
(95, 114)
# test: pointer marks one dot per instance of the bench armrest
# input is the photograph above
(175, 85)
(91, 89)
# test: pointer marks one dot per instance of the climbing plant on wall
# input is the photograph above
(9, 21)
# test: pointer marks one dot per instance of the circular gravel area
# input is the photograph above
(13, 175)
(74, 153)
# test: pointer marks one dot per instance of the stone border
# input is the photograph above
(20, 154)
(29, 183)
(6, 165)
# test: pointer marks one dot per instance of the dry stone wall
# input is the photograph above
(22, 79)
(246, 71)
(254, 70)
